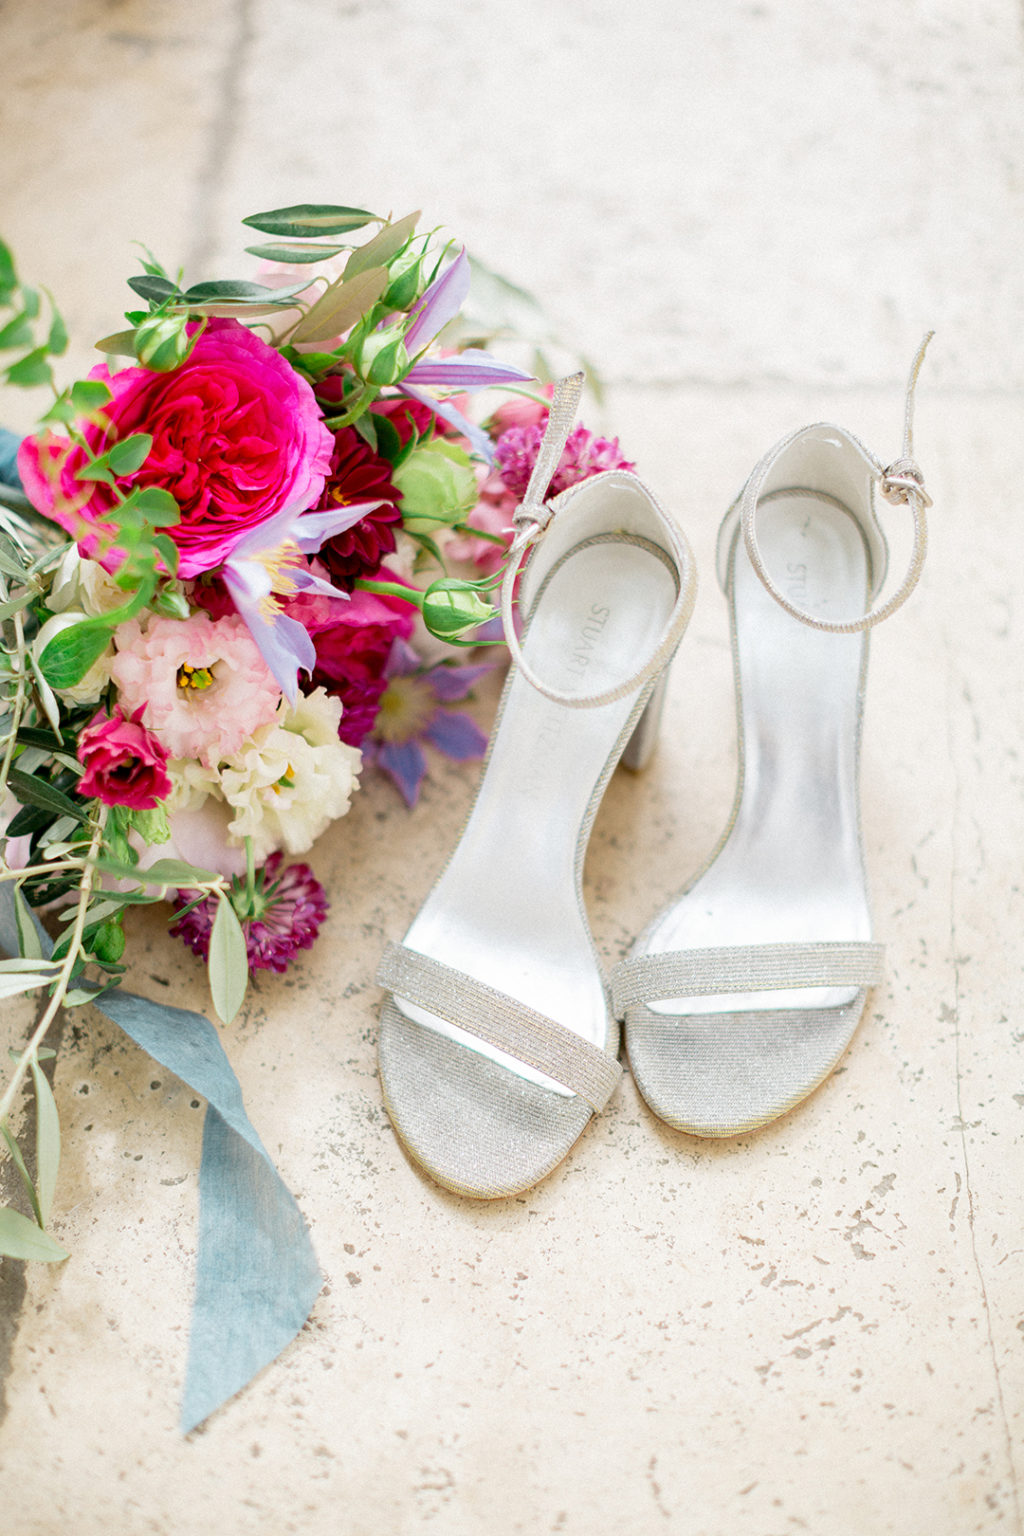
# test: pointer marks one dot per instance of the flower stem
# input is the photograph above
(63, 976)
(391, 589)
(17, 707)
(362, 400)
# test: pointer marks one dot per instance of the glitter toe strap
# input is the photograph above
(744, 968)
(501, 1021)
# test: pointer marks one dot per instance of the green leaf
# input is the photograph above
(13, 983)
(341, 305)
(19, 1163)
(121, 342)
(8, 276)
(88, 395)
(16, 333)
(226, 289)
(155, 290)
(385, 245)
(29, 944)
(22, 1239)
(15, 605)
(130, 454)
(228, 962)
(163, 872)
(157, 506)
(47, 1142)
(169, 550)
(295, 253)
(69, 655)
(32, 791)
(309, 219)
(57, 340)
(31, 370)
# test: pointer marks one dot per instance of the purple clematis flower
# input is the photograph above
(470, 370)
(268, 564)
(412, 712)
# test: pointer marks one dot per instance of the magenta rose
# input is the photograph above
(124, 763)
(237, 438)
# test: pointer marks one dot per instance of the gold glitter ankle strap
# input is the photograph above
(901, 483)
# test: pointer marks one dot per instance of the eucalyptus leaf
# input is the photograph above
(228, 962)
(57, 340)
(20, 1238)
(341, 305)
(47, 1142)
(309, 219)
(69, 655)
(295, 252)
(32, 791)
(386, 243)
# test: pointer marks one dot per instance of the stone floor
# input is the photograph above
(746, 213)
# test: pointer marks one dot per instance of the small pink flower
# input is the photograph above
(124, 763)
(199, 683)
(585, 454)
(237, 437)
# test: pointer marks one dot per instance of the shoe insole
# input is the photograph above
(791, 868)
(507, 908)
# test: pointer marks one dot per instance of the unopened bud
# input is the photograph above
(163, 342)
(452, 608)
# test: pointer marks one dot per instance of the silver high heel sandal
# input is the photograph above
(497, 1043)
(741, 997)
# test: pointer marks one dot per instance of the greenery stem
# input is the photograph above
(63, 977)
(17, 707)
(392, 589)
(363, 399)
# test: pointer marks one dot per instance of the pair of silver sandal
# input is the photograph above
(499, 1039)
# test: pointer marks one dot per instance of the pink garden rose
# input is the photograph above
(237, 437)
(124, 763)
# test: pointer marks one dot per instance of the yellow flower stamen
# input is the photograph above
(277, 562)
(196, 678)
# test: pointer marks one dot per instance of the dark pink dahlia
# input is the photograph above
(280, 916)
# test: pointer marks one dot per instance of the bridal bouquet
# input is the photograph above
(226, 589)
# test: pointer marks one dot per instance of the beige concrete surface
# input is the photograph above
(746, 212)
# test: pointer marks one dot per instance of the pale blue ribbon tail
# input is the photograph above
(257, 1275)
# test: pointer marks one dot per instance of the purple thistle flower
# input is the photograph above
(412, 712)
(282, 916)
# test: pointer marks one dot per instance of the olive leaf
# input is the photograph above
(309, 219)
(341, 305)
(20, 1238)
(228, 962)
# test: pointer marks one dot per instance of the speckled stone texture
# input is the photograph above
(746, 214)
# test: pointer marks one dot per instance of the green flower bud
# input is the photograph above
(452, 608)
(108, 941)
(404, 287)
(382, 356)
(163, 343)
(170, 601)
(438, 486)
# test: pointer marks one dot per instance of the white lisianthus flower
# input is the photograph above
(89, 688)
(292, 778)
(191, 782)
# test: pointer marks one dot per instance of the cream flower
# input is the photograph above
(201, 682)
(292, 779)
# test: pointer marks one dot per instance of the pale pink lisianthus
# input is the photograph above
(201, 683)
(237, 438)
